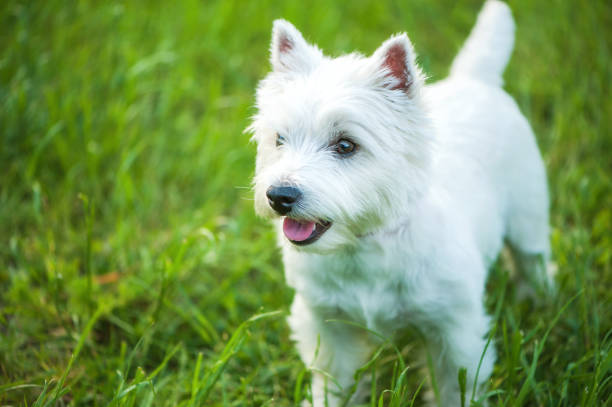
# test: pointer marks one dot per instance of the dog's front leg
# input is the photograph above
(461, 344)
(333, 349)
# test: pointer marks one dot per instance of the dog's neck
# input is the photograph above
(387, 231)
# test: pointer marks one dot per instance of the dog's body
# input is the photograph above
(397, 197)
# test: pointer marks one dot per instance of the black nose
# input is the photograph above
(282, 199)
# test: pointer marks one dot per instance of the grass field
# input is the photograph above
(130, 258)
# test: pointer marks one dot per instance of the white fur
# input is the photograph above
(443, 174)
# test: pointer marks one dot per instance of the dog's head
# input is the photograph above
(342, 146)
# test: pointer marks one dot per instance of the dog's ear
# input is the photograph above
(289, 51)
(396, 57)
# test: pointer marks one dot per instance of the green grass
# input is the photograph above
(130, 257)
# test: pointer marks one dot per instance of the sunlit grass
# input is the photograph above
(130, 257)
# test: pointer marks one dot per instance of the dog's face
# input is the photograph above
(341, 143)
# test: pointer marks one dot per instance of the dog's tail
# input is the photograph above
(486, 52)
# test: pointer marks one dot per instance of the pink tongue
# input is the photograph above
(297, 231)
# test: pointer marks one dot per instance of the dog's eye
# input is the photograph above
(345, 147)
(280, 140)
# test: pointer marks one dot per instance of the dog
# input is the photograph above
(392, 198)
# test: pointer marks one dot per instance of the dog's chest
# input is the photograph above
(360, 288)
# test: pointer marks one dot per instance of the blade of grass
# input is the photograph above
(59, 389)
(233, 346)
(529, 384)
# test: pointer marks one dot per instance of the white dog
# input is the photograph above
(392, 197)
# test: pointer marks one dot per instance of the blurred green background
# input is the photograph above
(129, 251)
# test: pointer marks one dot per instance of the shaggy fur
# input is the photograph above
(439, 177)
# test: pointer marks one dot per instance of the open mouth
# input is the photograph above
(303, 233)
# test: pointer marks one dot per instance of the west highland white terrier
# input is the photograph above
(392, 198)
